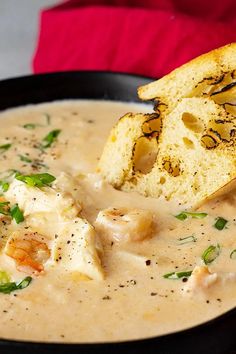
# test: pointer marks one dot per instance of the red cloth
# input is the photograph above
(142, 37)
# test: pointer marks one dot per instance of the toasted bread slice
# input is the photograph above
(201, 76)
(193, 157)
(194, 160)
(193, 154)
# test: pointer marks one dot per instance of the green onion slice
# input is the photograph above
(7, 288)
(184, 214)
(177, 275)
(16, 214)
(30, 126)
(4, 148)
(4, 186)
(37, 180)
(210, 254)
(233, 254)
(182, 241)
(25, 158)
(220, 223)
(49, 139)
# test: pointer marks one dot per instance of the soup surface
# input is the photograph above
(171, 274)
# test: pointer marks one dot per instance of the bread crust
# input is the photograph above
(183, 80)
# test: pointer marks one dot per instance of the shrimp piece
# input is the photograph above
(29, 253)
(124, 224)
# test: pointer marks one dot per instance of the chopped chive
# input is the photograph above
(4, 148)
(30, 126)
(181, 216)
(184, 214)
(16, 214)
(50, 138)
(25, 158)
(4, 208)
(233, 254)
(210, 254)
(177, 275)
(182, 241)
(7, 288)
(37, 180)
(220, 223)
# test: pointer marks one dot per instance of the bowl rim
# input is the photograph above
(75, 72)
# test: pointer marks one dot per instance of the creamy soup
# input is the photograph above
(87, 280)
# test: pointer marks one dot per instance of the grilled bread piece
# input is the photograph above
(192, 156)
(201, 76)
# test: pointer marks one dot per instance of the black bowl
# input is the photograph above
(213, 337)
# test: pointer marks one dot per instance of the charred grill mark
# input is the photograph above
(233, 74)
(215, 81)
(220, 121)
(225, 88)
(154, 134)
(157, 104)
(215, 134)
(233, 133)
(209, 142)
(153, 126)
(229, 104)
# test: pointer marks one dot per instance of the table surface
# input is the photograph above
(18, 34)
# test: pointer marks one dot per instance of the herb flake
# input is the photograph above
(16, 214)
(185, 214)
(220, 223)
(36, 180)
(4, 186)
(8, 287)
(177, 275)
(25, 158)
(188, 239)
(50, 138)
(4, 148)
(233, 254)
(210, 254)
